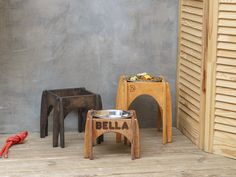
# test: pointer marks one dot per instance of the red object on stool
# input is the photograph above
(15, 139)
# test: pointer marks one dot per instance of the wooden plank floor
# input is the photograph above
(37, 158)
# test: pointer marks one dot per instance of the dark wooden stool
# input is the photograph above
(96, 126)
(63, 101)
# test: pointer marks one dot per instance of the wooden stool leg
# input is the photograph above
(56, 125)
(159, 121)
(46, 129)
(86, 138)
(121, 100)
(125, 140)
(118, 137)
(132, 138)
(169, 113)
(80, 120)
(62, 131)
(100, 139)
(137, 140)
(91, 139)
(136, 136)
(132, 150)
(43, 115)
(84, 115)
(50, 108)
(164, 138)
(99, 107)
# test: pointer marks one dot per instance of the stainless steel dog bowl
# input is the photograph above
(112, 114)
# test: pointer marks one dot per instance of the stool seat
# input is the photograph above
(62, 102)
(127, 126)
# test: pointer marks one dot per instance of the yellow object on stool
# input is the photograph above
(127, 92)
(97, 126)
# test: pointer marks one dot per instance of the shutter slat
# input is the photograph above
(190, 68)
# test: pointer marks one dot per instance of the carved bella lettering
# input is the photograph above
(116, 126)
(125, 126)
(98, 125)
(110, 126)
(105, 125)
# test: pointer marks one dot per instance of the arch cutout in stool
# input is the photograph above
(147, 110)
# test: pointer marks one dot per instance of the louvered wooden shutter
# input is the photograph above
(190, 74)
(222, 138)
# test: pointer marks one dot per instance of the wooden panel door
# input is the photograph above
(221, 82)
(191, 69)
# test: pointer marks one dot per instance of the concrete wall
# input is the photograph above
(47, 44)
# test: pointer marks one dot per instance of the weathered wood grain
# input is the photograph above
(36, 158)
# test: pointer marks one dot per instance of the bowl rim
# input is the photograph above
(127, 114)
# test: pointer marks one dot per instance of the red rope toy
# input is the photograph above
(15, 139)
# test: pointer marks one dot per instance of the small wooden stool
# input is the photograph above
(160, 91)
(62, 102)
(95, 127)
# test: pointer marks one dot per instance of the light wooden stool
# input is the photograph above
(95, 127)
(160, 91)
